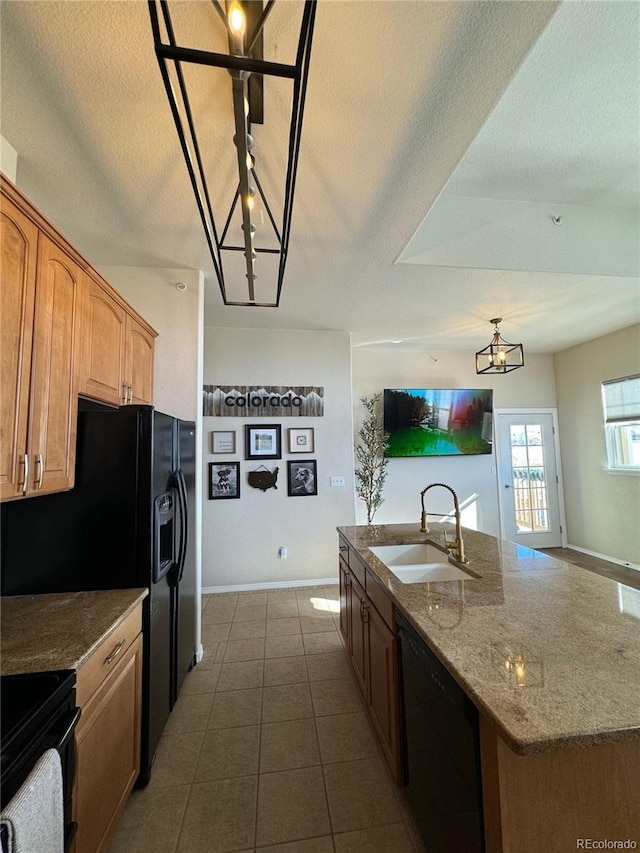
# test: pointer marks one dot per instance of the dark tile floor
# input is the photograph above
(269, 748)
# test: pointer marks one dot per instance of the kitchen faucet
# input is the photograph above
(458, 544)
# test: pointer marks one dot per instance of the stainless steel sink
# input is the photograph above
(419, 563)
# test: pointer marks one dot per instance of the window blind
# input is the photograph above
(621, 399)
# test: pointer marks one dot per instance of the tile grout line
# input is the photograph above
(324, 785)
(255, 822)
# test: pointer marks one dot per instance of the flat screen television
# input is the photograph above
(438, 421)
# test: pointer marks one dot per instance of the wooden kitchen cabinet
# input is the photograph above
(368, 627)
(18, 275)
(108, 691)
(139, 361)
(358, 629)
(384, 691)
(41, 287)
(118, 348)
(102, 363)
(65, 332)
(343, 581)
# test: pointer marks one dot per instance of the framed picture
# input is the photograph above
(262, 441)
(224, 480)
(223, 441)
(302, 478)
(301, 440)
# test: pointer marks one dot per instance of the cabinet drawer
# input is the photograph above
(107, 656)
(380, 600)
(343, 550)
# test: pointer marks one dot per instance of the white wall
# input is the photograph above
(603, 509)
(472, 477)
(241, 537)
(176, 316)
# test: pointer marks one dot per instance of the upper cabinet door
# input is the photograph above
(104, 346)
(19, 241)
(139, 362)
(54, 376)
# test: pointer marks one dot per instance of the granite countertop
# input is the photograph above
(548, 651)
(59, 630)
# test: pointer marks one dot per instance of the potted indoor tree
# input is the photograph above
(371, 465)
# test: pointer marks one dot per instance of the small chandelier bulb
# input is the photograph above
(237, 20)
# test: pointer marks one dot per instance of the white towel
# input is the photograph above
(34, 818)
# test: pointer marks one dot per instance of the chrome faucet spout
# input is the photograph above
(458, 544)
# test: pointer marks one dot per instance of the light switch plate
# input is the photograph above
(337, 481)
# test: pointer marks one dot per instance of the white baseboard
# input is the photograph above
(199, 653)
(256, 587)
(606, 557)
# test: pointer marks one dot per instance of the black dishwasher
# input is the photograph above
(442, 751)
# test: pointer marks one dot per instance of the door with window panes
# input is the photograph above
(528, 488)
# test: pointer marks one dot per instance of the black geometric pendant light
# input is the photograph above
(500, 356)
(244, 233)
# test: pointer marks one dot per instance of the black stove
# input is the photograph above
(38, 712)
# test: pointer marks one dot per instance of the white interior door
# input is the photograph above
(528, 479)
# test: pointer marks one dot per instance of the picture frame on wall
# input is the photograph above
(224, 480)
(223, 441)
(302, 478)
(301, 440)
(262, 441)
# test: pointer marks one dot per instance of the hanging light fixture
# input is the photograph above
(500, 356)
(244, 22)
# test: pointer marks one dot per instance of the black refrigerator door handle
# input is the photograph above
(184, 522)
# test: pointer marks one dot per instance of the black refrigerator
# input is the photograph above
(127, 523)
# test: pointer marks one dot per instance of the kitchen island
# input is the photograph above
(550, 656)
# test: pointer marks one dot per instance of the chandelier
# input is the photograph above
(244, 26)
(500, 356)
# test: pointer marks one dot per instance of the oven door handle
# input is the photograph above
(68, 731)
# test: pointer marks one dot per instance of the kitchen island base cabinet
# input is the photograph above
(373, 654)
(358, 630)
(384, 701)
(108, 736)
(550, 800)
(343, 580)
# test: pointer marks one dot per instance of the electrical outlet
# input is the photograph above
(337, 481)
(283, 553)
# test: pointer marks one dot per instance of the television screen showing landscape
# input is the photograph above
(438, 421)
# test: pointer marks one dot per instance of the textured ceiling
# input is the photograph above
(401, 95)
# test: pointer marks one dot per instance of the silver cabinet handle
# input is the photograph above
(114, 654)
(40, 478)
(130, 394)
(26, 474)
(125, 393)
